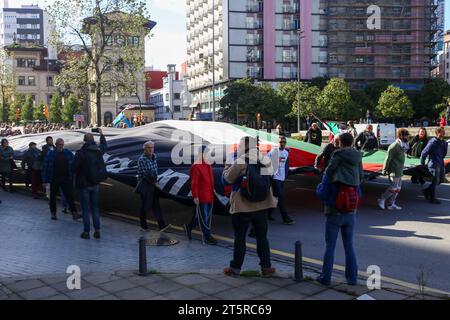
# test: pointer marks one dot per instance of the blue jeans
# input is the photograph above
(63, 200)
(89, 198)
(346, 224)
(203, 217)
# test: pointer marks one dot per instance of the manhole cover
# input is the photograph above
(158, 242)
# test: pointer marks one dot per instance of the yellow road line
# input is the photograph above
(292, 256)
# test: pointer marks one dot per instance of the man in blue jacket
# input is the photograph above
(57, 171)
(435, 151)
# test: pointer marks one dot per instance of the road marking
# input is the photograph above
(441, 199)
(292, 256)
(106, 184)
(380, 183)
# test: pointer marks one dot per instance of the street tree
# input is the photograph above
(71, 107)
(7, 83)
(15, 109)
(394, 104)
(373, 92)
(308, 96)
(240, 96)
(39, 112)
(28, 109)
(55, 108)
(111, 36)
(335, 98)
(432, 96)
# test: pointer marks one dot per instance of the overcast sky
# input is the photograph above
(168, 44)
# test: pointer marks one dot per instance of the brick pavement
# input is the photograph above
(35, 252)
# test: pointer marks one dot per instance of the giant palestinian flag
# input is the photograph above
(176, 145)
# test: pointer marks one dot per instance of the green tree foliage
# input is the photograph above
(334, 101)
(373, 91)
(308, 101)
(319, 82)
(430, 100)
(28, 109)
(96, 25)
(39, 112)
(7, 84)
(71, 107)
(394, 103)
(19, 100)
(55, 108)
(359, 105)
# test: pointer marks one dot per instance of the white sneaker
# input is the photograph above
(394, 207)
(381, 204)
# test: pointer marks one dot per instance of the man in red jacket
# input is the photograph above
(202, 186)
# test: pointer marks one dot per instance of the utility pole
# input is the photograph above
(213, 65)
(299, 34)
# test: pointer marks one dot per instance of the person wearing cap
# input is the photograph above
(32, 161)
(202, 187)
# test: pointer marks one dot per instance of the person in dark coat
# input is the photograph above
(90, 170)
(366, 140)
(326, 155)
(436, 150)
(6, 160)
(314, 135)
(32, 161)
(49, 146)
(57, 171)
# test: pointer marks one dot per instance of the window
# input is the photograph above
(107, 90)
(21, 80)
(167, 97)
(50, 81)
(21, 63)
(31, 80)
(22, 26)
(176, 108)
(176, 96)
(133, 41)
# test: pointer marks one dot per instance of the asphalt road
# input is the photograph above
(402, 243)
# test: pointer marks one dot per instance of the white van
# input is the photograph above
(386, 133)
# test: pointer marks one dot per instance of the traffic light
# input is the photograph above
(46, 112)
(18, 114)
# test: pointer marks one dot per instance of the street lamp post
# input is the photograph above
(299, 34)
(213, 66)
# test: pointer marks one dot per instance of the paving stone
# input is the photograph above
(38, 293)
(306, 288)
(124, 273)
(107, 297)
(387, 295)
(137, 293)
(87, 294)
(59, 297)
(209, 298)
(25, 285)
(276, 281)
(146, 281)
(356, 291)
(117, 285)
(234, 281)
(330, 294)
(96, 279)
(53, 280)
(191, 279)
(260, 288)
(235, 294)
(159, 297)
(184, 294)
(283, 294)
(210, 287)
(164, 287)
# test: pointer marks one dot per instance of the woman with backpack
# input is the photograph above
(249, 175)
(340, 192)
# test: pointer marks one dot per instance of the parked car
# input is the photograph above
(385, 132)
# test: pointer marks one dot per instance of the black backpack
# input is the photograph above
(255, 187)
(95, 168)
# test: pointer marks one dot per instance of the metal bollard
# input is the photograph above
(142, 257)
(298, 274)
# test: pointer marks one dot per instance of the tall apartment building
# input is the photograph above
(261, 39)
(440, 23)
(27, 25)
(446, 56)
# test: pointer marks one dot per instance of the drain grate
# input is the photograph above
(161, 242)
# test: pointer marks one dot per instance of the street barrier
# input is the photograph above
(298, 268)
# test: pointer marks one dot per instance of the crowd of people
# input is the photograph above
(255, 182)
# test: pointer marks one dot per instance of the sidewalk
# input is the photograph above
(36, 251)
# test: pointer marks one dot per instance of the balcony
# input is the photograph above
(254, 73)
(289, 42)
(254, 25)
(252, 8)
(289, 25)
(289, 75)
(254, 41)
(287, 8)
(289, 59)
